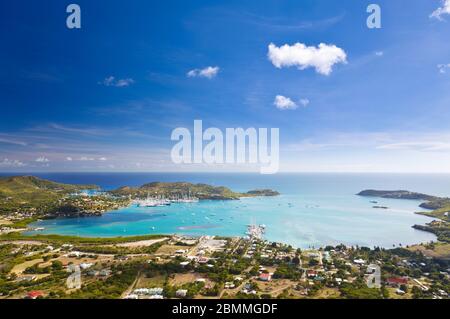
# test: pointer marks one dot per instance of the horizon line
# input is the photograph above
(217, 172)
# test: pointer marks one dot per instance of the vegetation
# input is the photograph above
(59, 239)
(173, 190)
(28, 192)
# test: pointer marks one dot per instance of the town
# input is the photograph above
(160, 267)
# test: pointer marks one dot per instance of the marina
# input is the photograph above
(162, 201)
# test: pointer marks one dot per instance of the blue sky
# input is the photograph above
(107, 97)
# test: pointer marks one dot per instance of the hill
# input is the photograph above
(32, 192)
(201, 191)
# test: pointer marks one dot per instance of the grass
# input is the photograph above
(59, 239)
(153, 282)
(438, 213)
(26, 192)
(438, 250)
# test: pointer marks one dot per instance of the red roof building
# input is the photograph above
(397, 281)
(265, 277)
(34, 294)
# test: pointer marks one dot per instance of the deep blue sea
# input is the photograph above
(313, 209)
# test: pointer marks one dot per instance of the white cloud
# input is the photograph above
(68, 158)
(85, 159)
(42, 159)
(284, 103)
(439, 12)
(208, 72)
(322, 58)
(304, 102)
(112, 81)
(426, 146)
(379, 53)
(12, 141)
(11, 163)
(443, 68)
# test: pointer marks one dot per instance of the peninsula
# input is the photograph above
(24, 199)
(439, 206)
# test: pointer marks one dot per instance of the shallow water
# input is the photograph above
(313, 210)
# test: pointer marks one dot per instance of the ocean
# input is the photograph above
(313, 210)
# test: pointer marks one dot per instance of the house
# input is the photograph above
(229, 285)
(265, 277)
(181, 293)
(184, 263)
(26, 278)
(74, 254)
(249, 292)
(359, 261)
(148, 291)
(396, 281)
(86, 265)
(34, 294)
(311, 273)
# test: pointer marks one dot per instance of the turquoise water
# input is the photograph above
(313, 210)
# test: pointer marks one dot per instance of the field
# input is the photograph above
(439, 251)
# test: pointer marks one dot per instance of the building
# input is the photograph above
(265, 277)
(181, 293)
(397, 281)
(229, 285)
(34, 294)
(359, 261)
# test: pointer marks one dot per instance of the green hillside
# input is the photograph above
(31, 192)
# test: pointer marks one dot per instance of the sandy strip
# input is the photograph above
(142, 243)
(22, 242)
